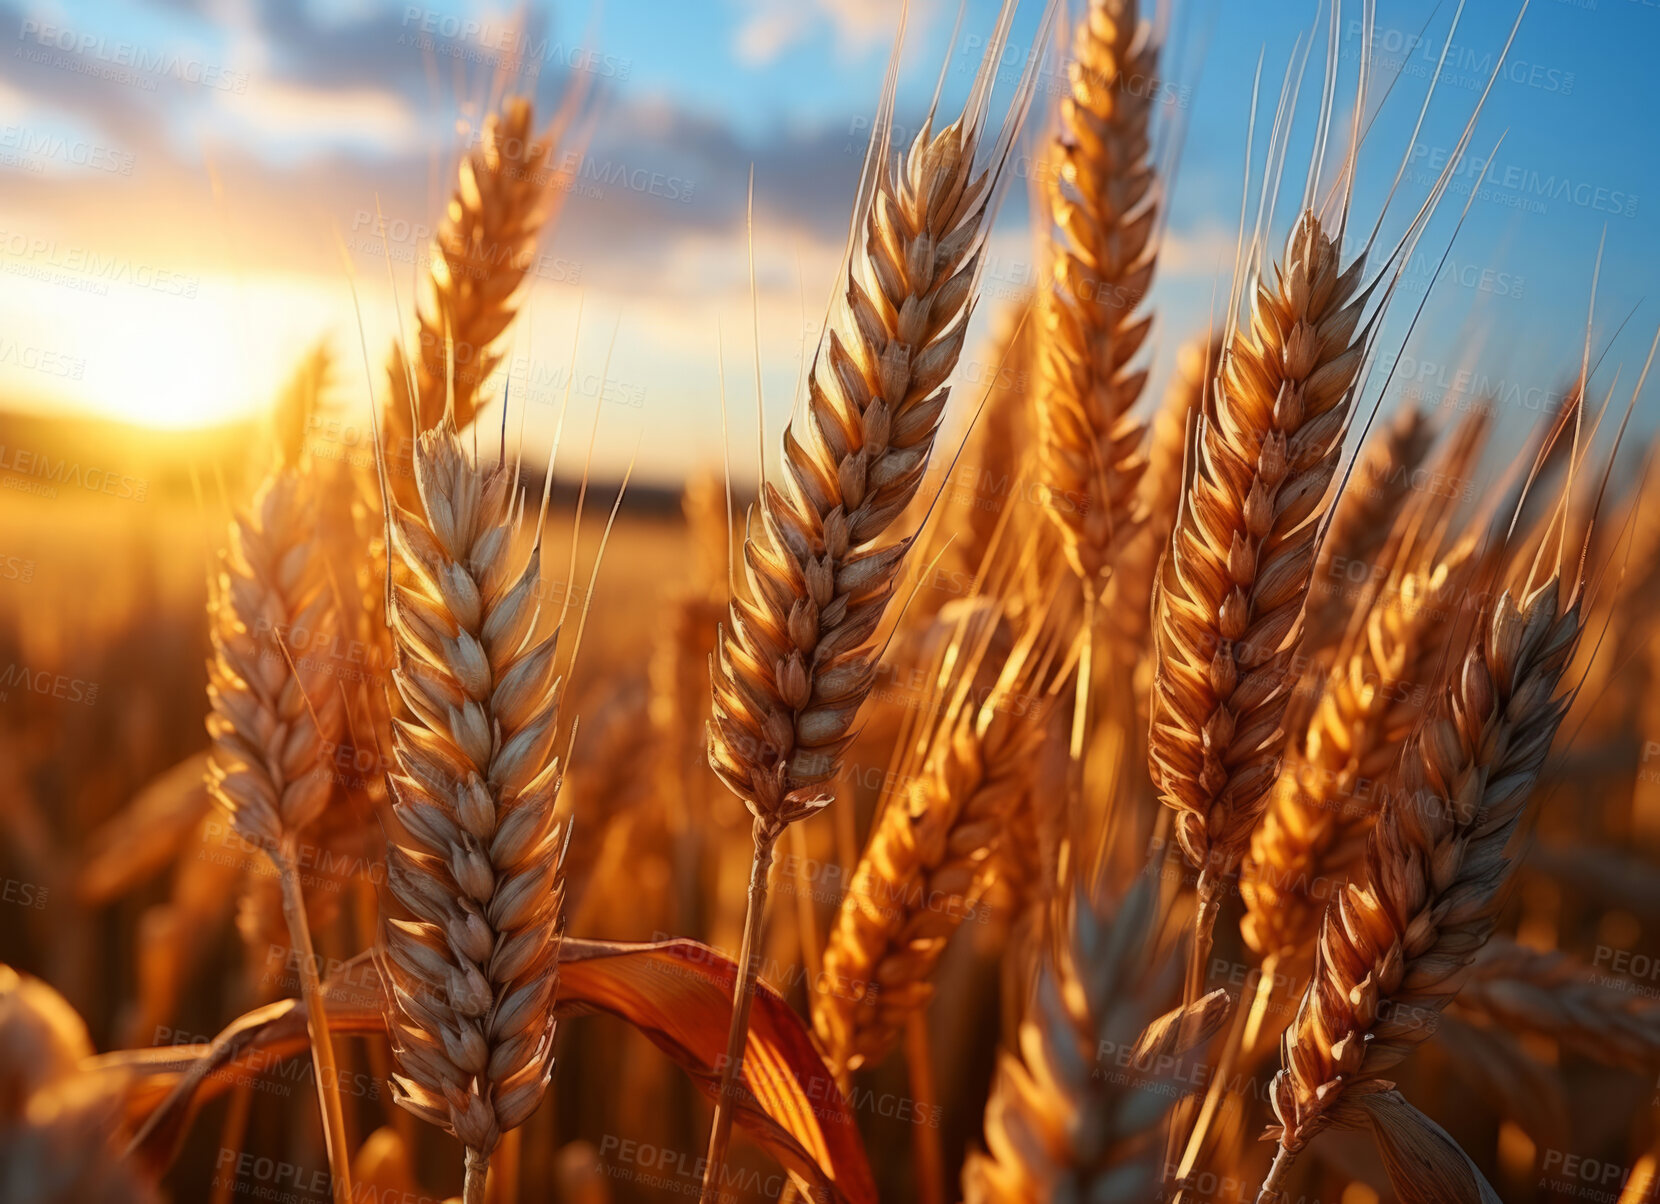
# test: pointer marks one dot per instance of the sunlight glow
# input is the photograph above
(200, 352)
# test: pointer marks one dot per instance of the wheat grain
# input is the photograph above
(481, 253)
(471, 973)
(794, 665)
(1395, 949)
(273, 703)
(1238, 568)
(1103, 210)
(1076, 1113)
(1322, 806)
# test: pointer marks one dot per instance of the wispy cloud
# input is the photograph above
(770, 27)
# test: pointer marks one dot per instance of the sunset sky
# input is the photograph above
(189, 190)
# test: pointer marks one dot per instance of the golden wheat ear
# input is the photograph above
(506, 191)
(470, 952)
(936, 846)
(795, 663)
(275, 709)
(1060, 1122)
(1549, 994)
(1379, 678)
(1379, 486)
(1103, 209)
(1395, 946)
(821, 561)
(1263, 456)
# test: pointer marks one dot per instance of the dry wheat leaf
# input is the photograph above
(145, 836)
(1425, 1165)
(677, 993)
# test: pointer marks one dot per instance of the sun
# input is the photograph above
(206, 352)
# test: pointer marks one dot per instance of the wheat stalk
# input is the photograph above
(274, 707)
(472, 971)
(483, 249)
(933, 851)
(1547, 993)
(796, 662)
(1233, 582)
(1075, 1114)
(1103, 210)
(1395, 949)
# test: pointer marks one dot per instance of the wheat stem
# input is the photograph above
(930, 1158)
(743, 996)
(478, 1176)
(317, 1023)
(1271, 1191)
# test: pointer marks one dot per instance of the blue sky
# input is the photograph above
(227, 156)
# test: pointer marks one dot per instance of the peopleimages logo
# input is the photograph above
(35, 145)
(32, 468)
(426, 29)
(116, 53)
(1520, 186)
(98, 271)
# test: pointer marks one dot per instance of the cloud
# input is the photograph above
(771, 27)
(1205, 251)
(368, 118)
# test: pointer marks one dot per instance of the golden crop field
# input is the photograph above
(1098, 755)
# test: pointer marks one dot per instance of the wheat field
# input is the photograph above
(1173, 763)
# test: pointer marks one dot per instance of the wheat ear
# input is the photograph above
(274, 707)
(934, 849)
(1075, 1114)
(1233, 583)
(1103, 210)
(1547, 993)
(1395, 949)
(1131, 586)
(484, 248)
(62, 1122)
(1314, 830)
(1379, 485)
(796, 662)
(472, 970)
(994, 455)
